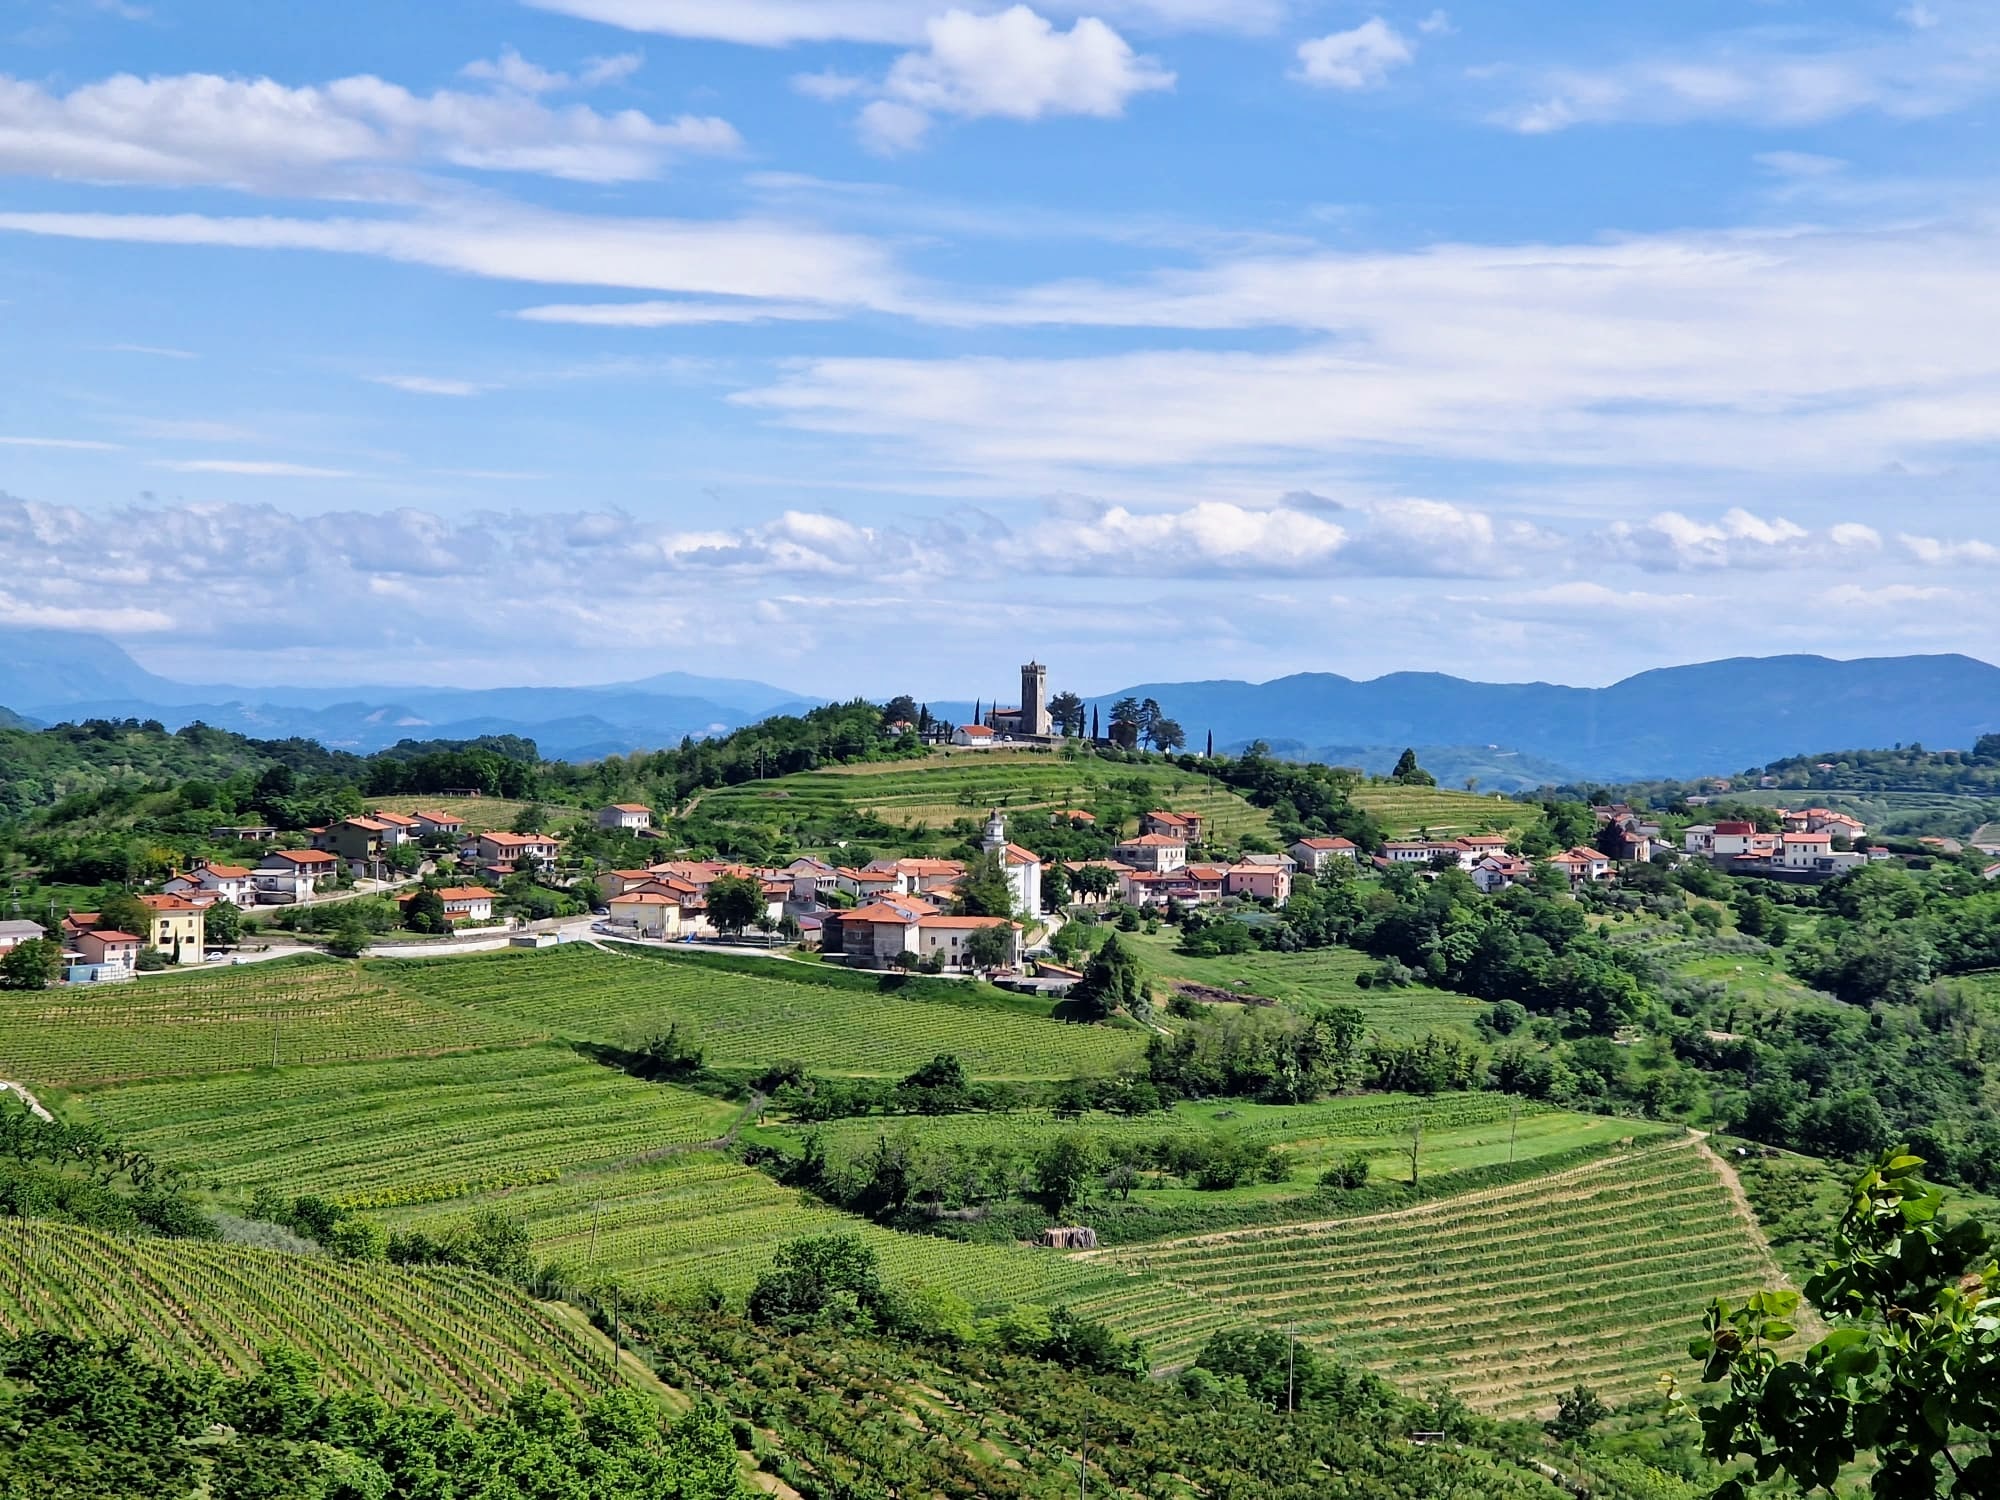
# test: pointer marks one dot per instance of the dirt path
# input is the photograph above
(1397, 1215)
(1811, 1325)
(34, 1104)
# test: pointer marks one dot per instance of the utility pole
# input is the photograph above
(1416, 1150)
(1513, 1129)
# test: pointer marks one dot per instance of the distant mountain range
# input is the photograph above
(52, 675)
(1712, 718)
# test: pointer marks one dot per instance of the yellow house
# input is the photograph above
(179, 928)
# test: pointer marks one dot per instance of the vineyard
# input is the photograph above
(1513, 1294)
(480, 814)
(702, 1220)
(937, 792)
(374, 1135)
(752, 1019)
(456, 1338)
(218, 1020)
(1318, 976)
(1462, 1132)
(1406, 810)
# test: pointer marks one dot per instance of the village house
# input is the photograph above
(103, 955)
(877, 935)
(973, 737)
(868, 885)
(1423, 851)
(1803, 851)
(285, 876)
(467, 903)
(1151, 851)
(631, 817)
(362, 842)
(179, 927)
(1262, 877)
(205, 878)
(1316, 854)
(1582, 865)
(243, 833)
(513, 850)
(438, 825)
(1496, 872)
(617, 882)
(652, 914)
(400, 830)
(13, 934)
(1187, 827)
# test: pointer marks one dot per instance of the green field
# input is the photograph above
(1322, 976)
(371, 1135)
(703, 1220)
(1406, 810)
(452, 1337)
(936, 792)
(213, 1020)
(1462, 1133)
(756, 1014)
(1511, 1295)
(480, 814)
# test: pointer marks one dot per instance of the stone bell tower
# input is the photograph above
(1035, 700)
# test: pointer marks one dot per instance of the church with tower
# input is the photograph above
(1031, 721)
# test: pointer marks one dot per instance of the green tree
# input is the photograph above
(1055, 886)
(1166, 735)
(831, 1278)
(1066, 712)
(735, 901)
(1112, 979)
(121, 911)
(351, 938)
(1409, 773)
(985, 891)
(1095, 880)
(1577, 1412)
(1064, 1169)
(223, 924)
(424, 912)
(1909, 1371)
(33, 965)
(1127, 722)
(990, 948)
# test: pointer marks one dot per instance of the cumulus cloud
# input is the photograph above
(200, 129)
(1674, 543)
(780, 23)
(513, 71)
(1011, 65)
(1361, 58)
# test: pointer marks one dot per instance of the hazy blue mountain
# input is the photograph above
(56, 675)
(1493, 769)
(1721, 716)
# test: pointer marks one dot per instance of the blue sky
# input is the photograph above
(861, 344)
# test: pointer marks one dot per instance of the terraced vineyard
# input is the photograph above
(371, 1135)
(1405, 810)
(938, 791)
(1512, 1295)
(1321, 976)
(480, 814)
(216, 1020)
(452, 1337)
(1462, 1132)
(747, 1018)
(692, 1221)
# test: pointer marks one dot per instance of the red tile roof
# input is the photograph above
(466, 893)
(963, 923)
(1152, 841)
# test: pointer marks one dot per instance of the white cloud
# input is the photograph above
(1361, 58)
(1671, 542)
(153, 349)
(1012, 65)
(672, 314)
(79, 444)
(733, 258)
(430, 385)
(1437, 23)
(779, 23)
(256, 468)
(1774, 77)
(1806, 164)
(201, 129)
(1937, 553)
(511, 70)
(829, 86)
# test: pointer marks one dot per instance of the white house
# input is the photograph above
(518, 848)
(467, 903)
(1498, 871)
(234, 883)
(973, 737)
(876, 935)
(1316, 854)
(1803, 851)
(287, 875)
(1152, 851)
(13, 934)
(439, 825)
(630, 817)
